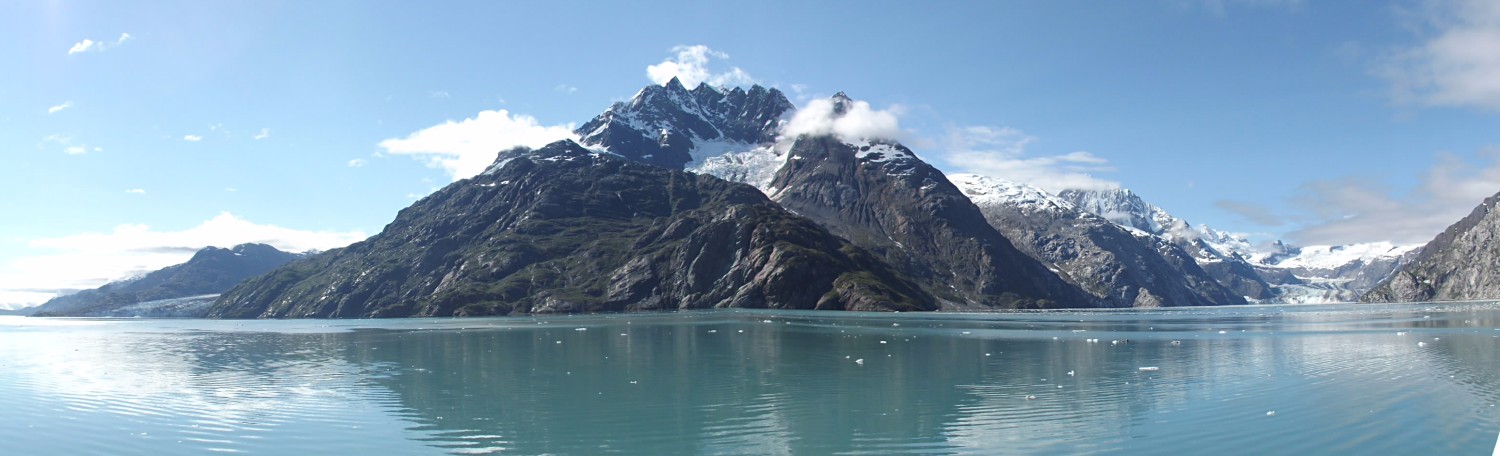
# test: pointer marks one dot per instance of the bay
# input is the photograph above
(1327, 379)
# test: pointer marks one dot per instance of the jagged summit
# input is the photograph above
(673, 127)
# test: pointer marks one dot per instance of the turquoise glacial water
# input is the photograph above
(1334, 379)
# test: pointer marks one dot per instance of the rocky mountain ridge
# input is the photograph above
(567, 229)
(1461, 263)
(210, 271)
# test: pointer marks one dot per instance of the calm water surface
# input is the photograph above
(1342, 379)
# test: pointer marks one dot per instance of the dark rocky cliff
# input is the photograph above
(1462, 263)
(882, 197)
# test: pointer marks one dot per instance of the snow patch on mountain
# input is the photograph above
(987, 191)
(755, 166)
(1333, 256)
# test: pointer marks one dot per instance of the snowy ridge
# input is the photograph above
(988, 191)
(672, 126)
(1334, 256)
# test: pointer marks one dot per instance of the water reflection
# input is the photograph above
(1340, 379)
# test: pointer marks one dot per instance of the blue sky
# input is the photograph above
(134, 132)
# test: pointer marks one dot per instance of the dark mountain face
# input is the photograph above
(562, 229)
(1125, 208)
(1120, 268)
(211, 270)
(664, 124)
(1462, 263)
(881, 197)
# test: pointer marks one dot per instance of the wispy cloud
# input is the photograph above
(564, 88)
(264, 133)
(136, 191)
(357, 163)
(67, 144)
(443, 94)
(1363, 209)
(1458, 60)
(691, 66)
(1258, 214)
(55, 109)
(192, 138)
(1221, 8)
(88, 45)
(465, 148)
(1000, 152)
(88, 260)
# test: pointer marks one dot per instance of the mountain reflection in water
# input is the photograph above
(1340, 379)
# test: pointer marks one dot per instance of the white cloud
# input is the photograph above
(264, 133)
(440, 94)
(1458, 61)
(192, 138)
(564, 88)
(691, 66)
(67, 143)
(1001, 153)
(55, 109)
(88, 45)
(88, 260)
(1355, 209)
(467, 147)
(858, 121)
(136, 191)
(357, 163)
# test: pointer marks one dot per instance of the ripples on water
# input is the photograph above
(1350, 379)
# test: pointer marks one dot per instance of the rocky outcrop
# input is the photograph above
(210, 271)
(566, 229)
(1120, 267)
(1462, 263)
(880, 196)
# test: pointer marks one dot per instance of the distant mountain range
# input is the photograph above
(175, 291)
(685, 199)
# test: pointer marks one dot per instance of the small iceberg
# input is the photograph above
(1150, 369)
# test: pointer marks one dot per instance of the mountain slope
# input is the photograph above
(1461, 263)
(564, 229)
(1124, 268)
(210, 271)
(882, 197)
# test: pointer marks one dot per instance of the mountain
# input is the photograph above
(210, 271)
(1122, 267)
(1278, 273)
(567, 229)
(1216, 252)
(1462, 263)
(675, 128)
(1330, 273)
(880, 196)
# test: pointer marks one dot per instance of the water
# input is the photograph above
(1344, 379)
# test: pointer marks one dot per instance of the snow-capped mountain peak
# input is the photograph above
(671, 126)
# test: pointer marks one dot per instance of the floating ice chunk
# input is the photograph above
(860, 361)
(1401, 333)
(1421, 344)
(1070, 373)
(882, 341)
(711, 331)
(1271, 413)
(1150, 369)
(580, 329)
(1030, 397)
(1223, 332)
(1176, 342)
